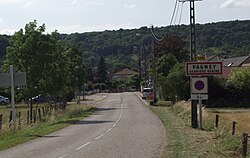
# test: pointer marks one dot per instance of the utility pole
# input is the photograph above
(139, 67)
(154, 72)
(139, 62)
(194, 120)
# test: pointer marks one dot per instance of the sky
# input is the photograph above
(71, 16)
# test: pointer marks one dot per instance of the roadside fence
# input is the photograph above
(24, 118)
(244, 136)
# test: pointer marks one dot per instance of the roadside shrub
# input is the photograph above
(176, 84)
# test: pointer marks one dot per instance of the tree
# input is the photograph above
(76, 68)
(239, 84)
(102, 76)
(165, 63)
(176, 84)
(174, 45)
(40, 56)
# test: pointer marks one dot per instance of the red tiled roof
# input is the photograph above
(125, 71)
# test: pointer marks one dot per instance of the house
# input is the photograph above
(230, 63)
(125, 73)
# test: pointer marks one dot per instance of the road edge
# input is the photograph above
(147, 104)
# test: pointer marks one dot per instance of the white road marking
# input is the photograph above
(99, 136)
(63, 156)
(108, 130)
(83, 146)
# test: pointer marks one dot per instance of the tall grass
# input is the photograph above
(209, 142)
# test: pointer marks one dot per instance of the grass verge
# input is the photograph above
(55, 121)
(183, 141)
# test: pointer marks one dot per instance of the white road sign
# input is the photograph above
(203, 68)
(199, 97)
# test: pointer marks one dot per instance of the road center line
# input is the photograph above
(99, 136)
(63, 156)
(83, 146)
(108, 130)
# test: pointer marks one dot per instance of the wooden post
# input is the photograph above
(19, 120)
(216, 120)
(34, 113)
(233, 129)
(28, 117)
(43, 111)
(39, 114)
(244, 144)
(10, 120)
(1, 121)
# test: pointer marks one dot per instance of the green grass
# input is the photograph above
(56, 121)
(183, 141)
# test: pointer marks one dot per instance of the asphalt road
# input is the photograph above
(122, 127)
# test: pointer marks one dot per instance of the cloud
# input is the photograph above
(95, 3)
(10, 1)
(130, 6)
(92, 3)
(29, 4)
(74, 2)
(7, 31)
(235, 4)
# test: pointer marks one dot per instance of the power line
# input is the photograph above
(182, 3)
(173, 12)
(177, 11)
(156, 39)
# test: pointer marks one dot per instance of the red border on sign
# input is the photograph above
(195, 74)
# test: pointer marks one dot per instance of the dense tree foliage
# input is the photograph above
(51, 69)
(59, 64)
(230, 39)
(239, 84)
(102, 74)
(38, 55)
(176, 84)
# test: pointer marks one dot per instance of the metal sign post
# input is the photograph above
(13, 98)
(199, 90)
(11, 80)
(200, 111)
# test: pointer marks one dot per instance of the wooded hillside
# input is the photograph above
(230, 39)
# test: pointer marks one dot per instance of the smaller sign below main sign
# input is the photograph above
(199, 97)
(203, 68)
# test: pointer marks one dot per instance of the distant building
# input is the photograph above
(123, 74)
(230, 63)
